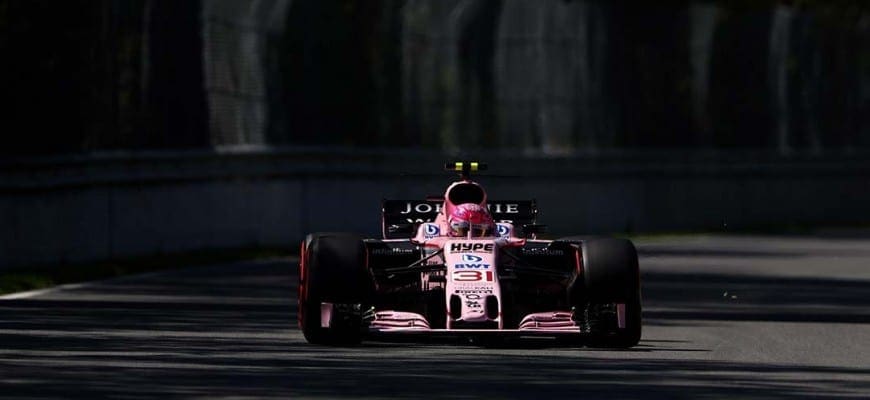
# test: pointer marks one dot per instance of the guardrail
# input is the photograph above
(79, 208)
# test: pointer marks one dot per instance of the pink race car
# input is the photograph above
(463, 265)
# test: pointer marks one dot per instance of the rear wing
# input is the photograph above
(404, 212)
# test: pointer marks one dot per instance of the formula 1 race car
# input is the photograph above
(488, 284)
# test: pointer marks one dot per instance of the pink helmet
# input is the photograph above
(470, 217)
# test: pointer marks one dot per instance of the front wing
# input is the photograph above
(385, 323)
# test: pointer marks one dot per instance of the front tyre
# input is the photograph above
(332, 269)
(611, 292)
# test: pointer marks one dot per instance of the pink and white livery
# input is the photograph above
(465, 266)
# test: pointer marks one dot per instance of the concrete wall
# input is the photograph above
(116, 205)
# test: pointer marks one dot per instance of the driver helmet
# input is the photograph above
(470, 220)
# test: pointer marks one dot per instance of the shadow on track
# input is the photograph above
(720, 297)
(231, 332)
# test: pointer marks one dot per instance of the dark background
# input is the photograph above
(556, 77)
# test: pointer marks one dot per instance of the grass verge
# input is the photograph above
(45, 276)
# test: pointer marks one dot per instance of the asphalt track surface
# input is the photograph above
(725, 317)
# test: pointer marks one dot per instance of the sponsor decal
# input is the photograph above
(503, 230)
(469, 247)
(421, 208)
(470, 292)
(432, 230)
(392, 250)
(472, 266)
(473, 304)
(429, 208)
(472, 276)
(472, 258)
(543, 251)
(508, 208)
(472, 296)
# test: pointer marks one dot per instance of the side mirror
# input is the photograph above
(532, 230)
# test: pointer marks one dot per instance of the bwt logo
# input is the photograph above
(471, 247)
(471, 266)
(432, 230)
(471, 258)
(504, 230)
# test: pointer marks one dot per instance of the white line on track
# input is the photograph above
(37, 292)
(79, 285)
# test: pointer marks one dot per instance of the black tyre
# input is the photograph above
(611, 276)
(332, 268)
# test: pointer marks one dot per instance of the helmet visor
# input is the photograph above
(479, 230)
(459, 228)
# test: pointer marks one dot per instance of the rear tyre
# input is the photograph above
(332, 269)
(610, 276)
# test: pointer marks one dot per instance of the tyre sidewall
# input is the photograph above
(335, 271)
